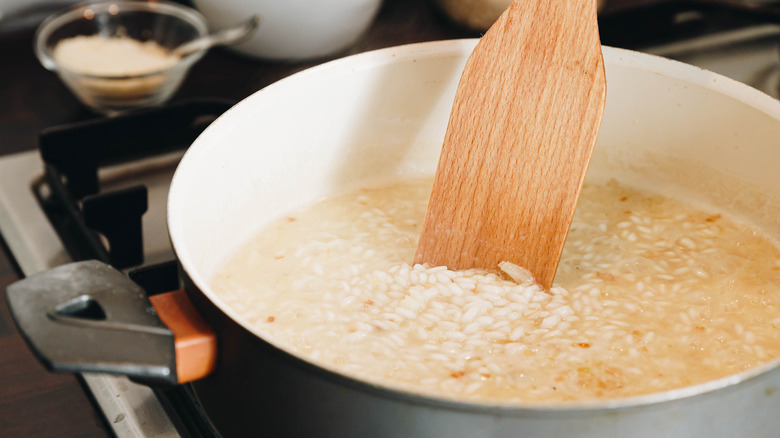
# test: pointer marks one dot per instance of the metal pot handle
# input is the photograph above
(89, 317)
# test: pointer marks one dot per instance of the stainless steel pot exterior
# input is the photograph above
(384, 113)
(259, 390)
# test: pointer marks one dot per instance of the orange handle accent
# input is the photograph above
(194, 341)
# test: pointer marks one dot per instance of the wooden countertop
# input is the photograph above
(33, 402)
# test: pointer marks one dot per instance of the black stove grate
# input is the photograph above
(641, 24)
(106, 224)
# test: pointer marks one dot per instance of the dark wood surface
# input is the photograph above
(33, 402)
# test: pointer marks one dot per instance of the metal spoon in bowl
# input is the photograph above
(225, 36)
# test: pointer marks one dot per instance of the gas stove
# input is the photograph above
(85, 198)
(81, 196)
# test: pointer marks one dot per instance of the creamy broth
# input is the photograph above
(651, 294)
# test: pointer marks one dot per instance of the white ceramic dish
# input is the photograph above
(294, 29)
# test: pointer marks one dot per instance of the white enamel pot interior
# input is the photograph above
(383, 114)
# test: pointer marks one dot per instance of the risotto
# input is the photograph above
(652, 293)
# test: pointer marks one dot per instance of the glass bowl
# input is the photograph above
(109, 80)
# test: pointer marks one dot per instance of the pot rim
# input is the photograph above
(462, 47)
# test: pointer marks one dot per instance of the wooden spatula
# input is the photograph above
(521, 133)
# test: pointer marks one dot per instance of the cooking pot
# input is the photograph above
(375, 115)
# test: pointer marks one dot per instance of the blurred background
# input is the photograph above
(709, 33)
